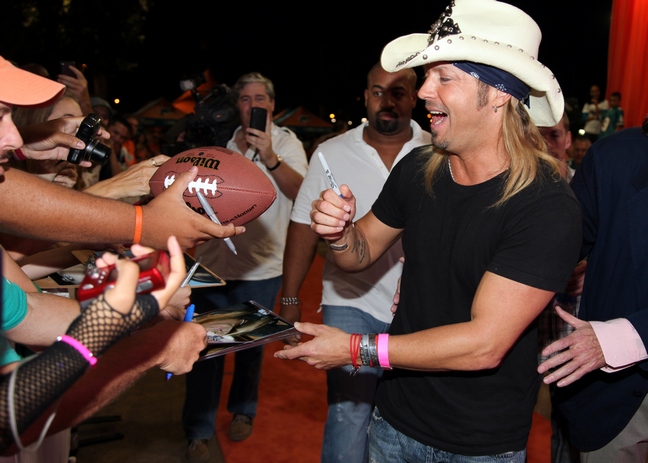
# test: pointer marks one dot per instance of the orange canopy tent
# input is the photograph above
(159, 113)
(303, 122)
(186, 101)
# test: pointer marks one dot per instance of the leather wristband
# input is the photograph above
(279, 159)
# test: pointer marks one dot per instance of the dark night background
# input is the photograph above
(316, 54)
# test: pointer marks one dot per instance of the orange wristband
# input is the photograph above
(137, 236)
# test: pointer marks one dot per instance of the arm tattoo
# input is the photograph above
(359, 246)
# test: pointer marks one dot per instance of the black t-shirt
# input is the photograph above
(450, 241)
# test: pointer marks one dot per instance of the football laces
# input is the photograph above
(206, 187)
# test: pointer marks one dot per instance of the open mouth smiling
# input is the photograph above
(437, 117)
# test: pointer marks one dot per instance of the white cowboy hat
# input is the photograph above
(487, 32)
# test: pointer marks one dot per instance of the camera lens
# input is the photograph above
(96, 152)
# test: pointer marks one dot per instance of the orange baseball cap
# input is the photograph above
(24, 88)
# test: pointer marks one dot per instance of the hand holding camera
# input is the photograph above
(120, 279)
(94, 151)
(53, 139)
(152, 271)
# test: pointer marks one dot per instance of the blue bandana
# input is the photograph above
(501, 80)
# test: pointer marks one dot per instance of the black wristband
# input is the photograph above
(276, 165)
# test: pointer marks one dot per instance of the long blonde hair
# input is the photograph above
(524, 146)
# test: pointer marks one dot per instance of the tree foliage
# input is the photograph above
(107, 37)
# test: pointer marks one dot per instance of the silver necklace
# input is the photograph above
(450, 167)
(451, 175)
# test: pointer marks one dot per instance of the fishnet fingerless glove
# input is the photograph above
(100, 325)
(42, 379)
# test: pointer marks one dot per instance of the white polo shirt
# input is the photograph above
(260, 249)
(357, 165)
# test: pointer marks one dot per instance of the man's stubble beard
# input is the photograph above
(441, 144)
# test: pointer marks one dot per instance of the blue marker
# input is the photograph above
(187, 318)
(329, 174)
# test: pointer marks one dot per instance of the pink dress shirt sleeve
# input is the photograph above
(621, 344)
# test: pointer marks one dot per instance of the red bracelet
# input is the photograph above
(83, 350)
(354, 348)
(137, 236)
(18, 155)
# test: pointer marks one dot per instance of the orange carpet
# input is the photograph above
(292, 404)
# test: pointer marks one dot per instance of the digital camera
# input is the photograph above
(95, 151)
(154, 268)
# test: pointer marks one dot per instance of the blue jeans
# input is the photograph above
(350, 398)
(386, 445)
(204, 381)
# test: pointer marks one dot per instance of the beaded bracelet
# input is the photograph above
(289, 301)
(383, 351)
(83, 350)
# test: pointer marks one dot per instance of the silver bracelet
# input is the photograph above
(364, 357)
(338, 247)
(289, 301)
(373, 351)
(368, 351)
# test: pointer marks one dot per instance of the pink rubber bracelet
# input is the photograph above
(382, 345)
(83, 350)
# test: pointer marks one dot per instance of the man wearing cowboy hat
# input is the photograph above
(480, 264)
